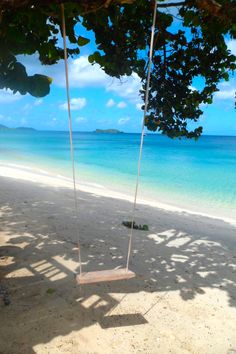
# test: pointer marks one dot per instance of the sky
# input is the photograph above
(99, 101)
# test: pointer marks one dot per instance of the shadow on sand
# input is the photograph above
(39, 259)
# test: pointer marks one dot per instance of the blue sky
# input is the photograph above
(99, 101)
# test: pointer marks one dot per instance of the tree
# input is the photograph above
(122, 30)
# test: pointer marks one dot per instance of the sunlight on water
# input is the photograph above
(195, 175)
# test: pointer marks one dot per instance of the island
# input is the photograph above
(25, 129)
(110, 131)
(4, 127)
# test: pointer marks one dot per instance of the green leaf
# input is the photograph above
(145, 227)
(91, 58)
(83, 41)
(189, 16)
(39, 85)
(50, 291)
(94, 57)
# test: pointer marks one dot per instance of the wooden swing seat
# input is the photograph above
(104, 275)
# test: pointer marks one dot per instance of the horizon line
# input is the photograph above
(121, 132)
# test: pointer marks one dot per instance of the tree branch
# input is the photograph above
(84, 3)
(210, 6)
(225, 12)
(172, 4)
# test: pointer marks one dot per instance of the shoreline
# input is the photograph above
(185, 268)
(47, 178)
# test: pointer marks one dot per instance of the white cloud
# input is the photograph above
(110, 103)
(203, 105)
(38, 102)
(192, 88)
(6, 96)
(227, 90)
(83, 74)
(81, 120)
(225, 94)
(128, 87)
(232, 46)
(123, 121)
(225, 84)
(75, 104)
(121, 104)
(139, 106)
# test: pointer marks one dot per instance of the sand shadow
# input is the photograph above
(42, 255)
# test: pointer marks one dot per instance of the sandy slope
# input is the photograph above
(183, 299)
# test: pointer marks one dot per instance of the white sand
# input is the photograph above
(183, 299)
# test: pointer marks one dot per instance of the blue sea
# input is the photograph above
(195, 175)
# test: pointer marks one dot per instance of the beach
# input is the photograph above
(182, 300)
(117, 177)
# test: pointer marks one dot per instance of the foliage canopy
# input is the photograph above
(196, 48)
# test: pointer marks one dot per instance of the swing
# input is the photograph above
(117, 273)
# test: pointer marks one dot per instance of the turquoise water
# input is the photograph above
(200, 176)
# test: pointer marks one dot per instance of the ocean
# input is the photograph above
(195, 175)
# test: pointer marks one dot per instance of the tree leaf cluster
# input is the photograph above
(195, 48)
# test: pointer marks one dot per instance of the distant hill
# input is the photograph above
(111, 131)
(4, 127)
(25, 128)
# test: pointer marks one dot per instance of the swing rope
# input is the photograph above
(70, 131)
(142, 134)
